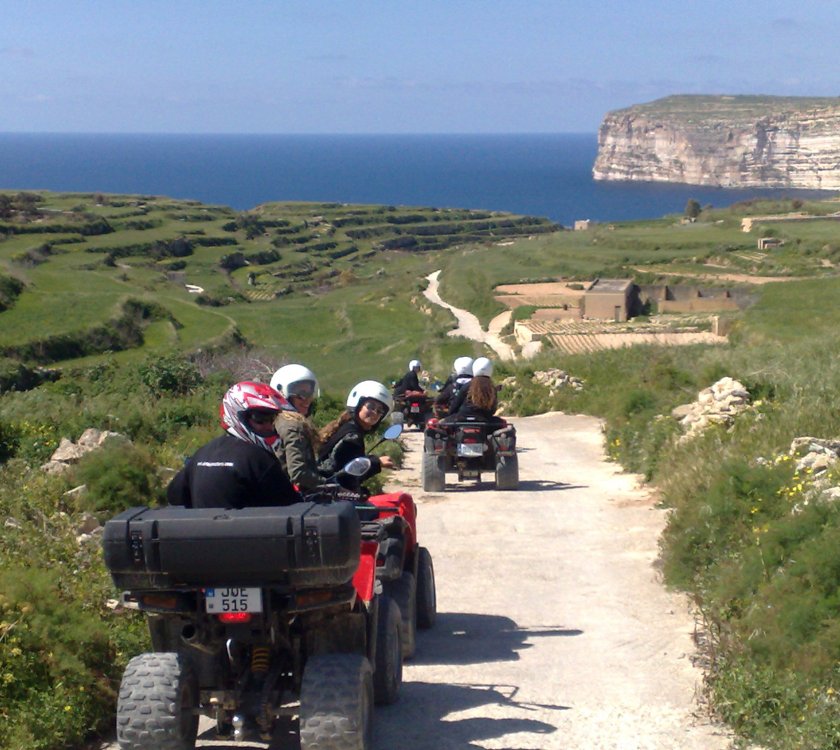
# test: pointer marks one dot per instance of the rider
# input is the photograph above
(239, 468)
(409, 384)
(480, 398)
(298, 436)
(461, 375)
(343, 439)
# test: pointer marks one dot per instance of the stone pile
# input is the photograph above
(718, 404)
(814, 454)
(69, 453)
(555, 378)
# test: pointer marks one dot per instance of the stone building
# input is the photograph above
(609, 299)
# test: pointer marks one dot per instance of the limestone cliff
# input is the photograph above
(726, 141)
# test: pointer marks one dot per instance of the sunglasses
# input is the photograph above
(302, 392)
(262, 417)
(375, 407)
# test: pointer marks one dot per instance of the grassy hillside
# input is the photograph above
(133, 275)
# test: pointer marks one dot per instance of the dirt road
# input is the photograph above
(554, 630)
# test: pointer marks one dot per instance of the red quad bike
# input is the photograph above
(255, 614)
(468, 447)
(412, 409)
(403, 567)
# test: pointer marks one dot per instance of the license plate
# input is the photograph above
(220, 601)
(470, 449)
(415, 408)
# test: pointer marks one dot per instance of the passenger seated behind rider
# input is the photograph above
(239, 468)
(299, 440)
(479, 399)
(343, 439)
(409, 384)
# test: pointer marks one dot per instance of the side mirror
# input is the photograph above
(358, 467)
(393, 432)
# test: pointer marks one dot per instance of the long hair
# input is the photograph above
(482, 393)
(328, 430)
(309, 429)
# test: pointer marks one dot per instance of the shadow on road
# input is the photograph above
(472, 639)
(542, 485)
(419, 720)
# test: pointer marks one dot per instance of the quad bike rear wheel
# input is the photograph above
(404, 593)
(336, 703)
(434, 477)
(157, 708)
(426, 594)
(387, 673)
(507, 472)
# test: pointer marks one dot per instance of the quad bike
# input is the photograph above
(411, 409)
(404, 568)
(469, 447)
(255, 614)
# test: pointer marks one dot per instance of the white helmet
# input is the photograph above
(463, 366)
(482, 366)
(370, 389)
(414, 364)
(295, 380)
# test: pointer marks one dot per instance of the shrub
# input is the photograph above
(117, 477)
(169, 374)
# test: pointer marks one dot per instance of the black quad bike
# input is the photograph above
(255, 614)
(469, 447)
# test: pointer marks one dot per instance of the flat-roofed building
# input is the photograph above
(608, 299)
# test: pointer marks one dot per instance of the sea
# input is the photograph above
(546, 175)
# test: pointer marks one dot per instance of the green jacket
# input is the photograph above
(297, 454)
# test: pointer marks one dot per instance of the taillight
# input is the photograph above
(233, 618)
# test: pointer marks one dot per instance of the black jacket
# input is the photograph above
(408, 382)
(452, 385)
(229, 473)
(459, 394)
(346, 444)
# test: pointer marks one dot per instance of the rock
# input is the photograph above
(726, 141)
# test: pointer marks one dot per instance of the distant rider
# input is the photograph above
(238, 469)
(409, 384)
(298, 436)
(480, 398)
(343, 439)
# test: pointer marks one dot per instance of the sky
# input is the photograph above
(389, 66)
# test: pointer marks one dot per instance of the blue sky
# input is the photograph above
(437, 66)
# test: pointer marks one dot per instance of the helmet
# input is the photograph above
(242, 398)
(294, 380)
(482, 366)
(414, 364)
(369, 389)
(463, 366)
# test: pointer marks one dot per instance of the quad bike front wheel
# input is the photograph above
(507, 472)
(387, 673)
(157, 708)
(426, 594)
(336, 703)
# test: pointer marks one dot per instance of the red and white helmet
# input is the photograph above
(244, 397)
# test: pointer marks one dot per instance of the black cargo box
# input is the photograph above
(301, 545)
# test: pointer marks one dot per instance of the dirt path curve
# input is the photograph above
(468, 324)
(554, 630)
